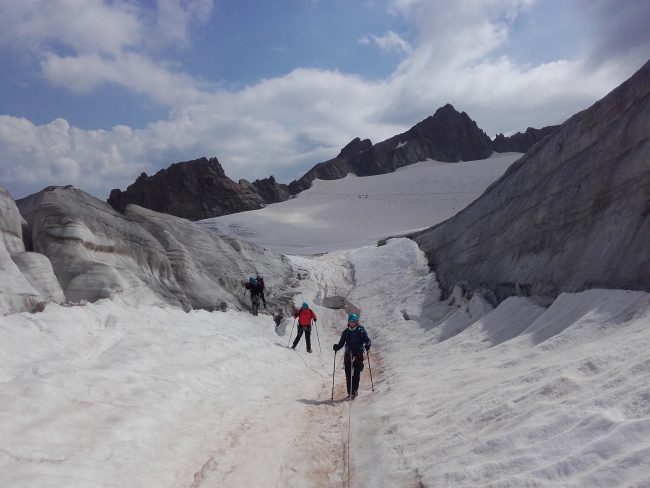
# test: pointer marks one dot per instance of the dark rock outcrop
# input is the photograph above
(270, 190)
(447, 136)
(571, 214)
(194, 190)
(332, 169)
(522, 141)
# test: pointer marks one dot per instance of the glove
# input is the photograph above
(336, 347)
(367, 347)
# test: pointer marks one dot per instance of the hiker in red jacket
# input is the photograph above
(305, 315)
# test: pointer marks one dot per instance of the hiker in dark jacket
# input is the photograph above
(355, 338)
(305, 316)
(253, 288)
(260, 287)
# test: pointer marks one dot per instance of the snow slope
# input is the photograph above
(354, 212)
(530, 394)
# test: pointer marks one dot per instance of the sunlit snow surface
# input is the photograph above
(354, 212)
(529, 394)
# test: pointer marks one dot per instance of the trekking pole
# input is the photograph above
(370, 370)
(316, 327)
(351, 372)
(291, 333)
(333, 373)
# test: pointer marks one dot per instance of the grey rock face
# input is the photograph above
(193, 190)
(571, 214)
(332, 169)
(20, 270)
(10, 224)
(209, 267)
(95, 251)
(354, 147)
(447, 136)
(522, 142)
(143, 256)
(37, 269)
(271, 191)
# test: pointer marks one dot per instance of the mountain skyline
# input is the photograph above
(97, 92)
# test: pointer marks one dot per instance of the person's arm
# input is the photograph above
(366, 339)
(313, 316)
(338, 346)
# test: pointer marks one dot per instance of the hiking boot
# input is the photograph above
(353, 395)
(308, 350)
(293, 347)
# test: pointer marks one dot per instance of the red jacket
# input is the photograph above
(304, 316)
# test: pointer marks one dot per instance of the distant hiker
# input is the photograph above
(305, 315)
(253, 288)
(260, 287)
(356, 340)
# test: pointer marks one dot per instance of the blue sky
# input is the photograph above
(94, 92)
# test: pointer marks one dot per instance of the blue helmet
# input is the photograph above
(304, 305)
(353, 317)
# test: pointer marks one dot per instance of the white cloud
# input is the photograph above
(175, 17)
(58, 154)
(130, 70)
(389, 42)
(106, 42)
(618, 32)
(80, 25)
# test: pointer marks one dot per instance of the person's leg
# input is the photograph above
(263, 299)
(358, 367)
(348, 366)
(308, 337)
(297, 339)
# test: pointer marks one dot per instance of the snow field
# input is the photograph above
(108, 395)
(517, 396)
(354, 212)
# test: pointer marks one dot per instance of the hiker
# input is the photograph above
(356, 340)
(253, 287)
(260, 287)
(305, 315)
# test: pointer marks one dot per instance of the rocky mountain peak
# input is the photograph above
(447, 135)
(355, 146)
(195, 190)
(200, 188)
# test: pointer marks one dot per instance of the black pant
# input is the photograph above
(307, 331)
(353, 359)
(263, 298)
